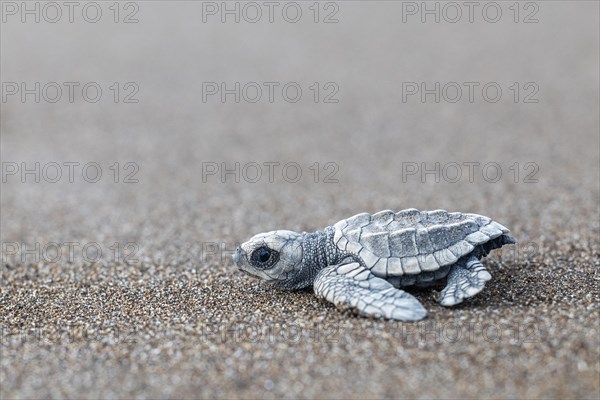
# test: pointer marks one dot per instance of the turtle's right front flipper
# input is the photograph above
(353, 286)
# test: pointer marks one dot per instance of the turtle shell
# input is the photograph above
(410, 242)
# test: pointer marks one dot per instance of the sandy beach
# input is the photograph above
(179, 136)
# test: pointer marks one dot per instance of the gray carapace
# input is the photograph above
(365, 261)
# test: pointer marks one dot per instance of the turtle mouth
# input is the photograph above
(248, 273)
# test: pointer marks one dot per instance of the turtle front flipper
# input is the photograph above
(352, 286)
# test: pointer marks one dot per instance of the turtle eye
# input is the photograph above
(264, 254)
(264, 257)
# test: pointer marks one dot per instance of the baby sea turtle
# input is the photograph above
(363, 262)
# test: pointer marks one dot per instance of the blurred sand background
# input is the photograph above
(181, 321)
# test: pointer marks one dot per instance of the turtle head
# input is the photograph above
(275, 257)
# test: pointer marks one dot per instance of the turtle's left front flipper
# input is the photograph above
(353, 286)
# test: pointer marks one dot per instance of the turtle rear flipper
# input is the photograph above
(351, 285)
(464, 280)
